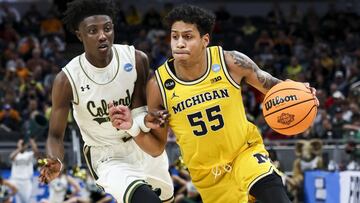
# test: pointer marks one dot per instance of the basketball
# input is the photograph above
(289, 108)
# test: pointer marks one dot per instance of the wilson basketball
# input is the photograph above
(289, 108)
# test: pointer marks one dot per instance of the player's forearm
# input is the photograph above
(150, 143)
(55, 147)
(14, 153)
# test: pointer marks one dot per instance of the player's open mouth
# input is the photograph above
(103, 47)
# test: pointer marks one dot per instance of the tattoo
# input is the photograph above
(242, 61)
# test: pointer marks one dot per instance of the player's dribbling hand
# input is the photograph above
(50, 169)
(313, 91)
(120, 116)
(157, 119)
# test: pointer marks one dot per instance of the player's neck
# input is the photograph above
(191, 69)
(99, 62)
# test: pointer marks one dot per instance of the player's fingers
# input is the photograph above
(116, 117)
(317, 101)
(122, 108)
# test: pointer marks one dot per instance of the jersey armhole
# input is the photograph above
(227, 74)
(74, 92)
(161, 88)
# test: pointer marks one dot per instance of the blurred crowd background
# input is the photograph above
(309, 42)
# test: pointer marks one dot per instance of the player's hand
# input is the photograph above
(157, 119)
(313, 91)
(51, 168)
(20, 144)
(120, 116)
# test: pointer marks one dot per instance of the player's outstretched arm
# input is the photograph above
(61, 98)
(139, 118)
(241, 67)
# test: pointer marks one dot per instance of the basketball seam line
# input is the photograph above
(288, 107)
(284, 89)
(297, 122)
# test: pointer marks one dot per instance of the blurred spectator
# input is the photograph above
(22, 168)
(52, 44)
(36, 60)
(275, 15)
(248, 29)
(222, 14)
(311, 21)
(62, 189)
(9, 13)
(282, 44)
(31, 20)
(172, 149)
(133, 16)
(26, 45)
(7, 191)
(9, 34)
(263, 41)
(9, 118)
(294, 15)
(152, 19)
(293, 69)
(51, 25)
(337, 123)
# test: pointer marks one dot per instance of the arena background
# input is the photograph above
(312, 41)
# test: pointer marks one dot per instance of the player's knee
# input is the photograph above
(270, 189)
(144, 194)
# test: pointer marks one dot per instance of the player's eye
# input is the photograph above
(92, 31)
(174, 36)
(108, 28)
(188, 37)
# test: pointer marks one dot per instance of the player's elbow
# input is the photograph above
(158, 151)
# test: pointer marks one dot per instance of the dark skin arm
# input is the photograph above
(150, 142)
(155, 104)
(61, 98)
(241, 67)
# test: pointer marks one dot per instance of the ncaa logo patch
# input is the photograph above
(128, 67)
(215, 67)
(169, 84)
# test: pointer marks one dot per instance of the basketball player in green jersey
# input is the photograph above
(200, 88)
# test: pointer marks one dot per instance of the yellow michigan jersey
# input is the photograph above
(207, 115)
(223, 151)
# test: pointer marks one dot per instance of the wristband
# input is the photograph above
(140, 120)
(134, 130)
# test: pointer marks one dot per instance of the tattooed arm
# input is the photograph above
(241, 67)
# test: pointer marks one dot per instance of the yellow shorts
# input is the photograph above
(233, 185)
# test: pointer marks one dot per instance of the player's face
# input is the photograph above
(97, 34)
(186, 42)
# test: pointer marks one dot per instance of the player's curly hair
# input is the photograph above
(78, 10)
(203, 19)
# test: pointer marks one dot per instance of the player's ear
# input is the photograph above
(77, 33)
(205, 40)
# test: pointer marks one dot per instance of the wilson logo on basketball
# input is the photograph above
(286, 118)
(279, 100)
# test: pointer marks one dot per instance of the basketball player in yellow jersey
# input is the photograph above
(200, 88)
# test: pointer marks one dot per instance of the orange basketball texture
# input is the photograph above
(289, 108)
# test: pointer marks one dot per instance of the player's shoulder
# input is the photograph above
(74, 63)
(123, 47)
